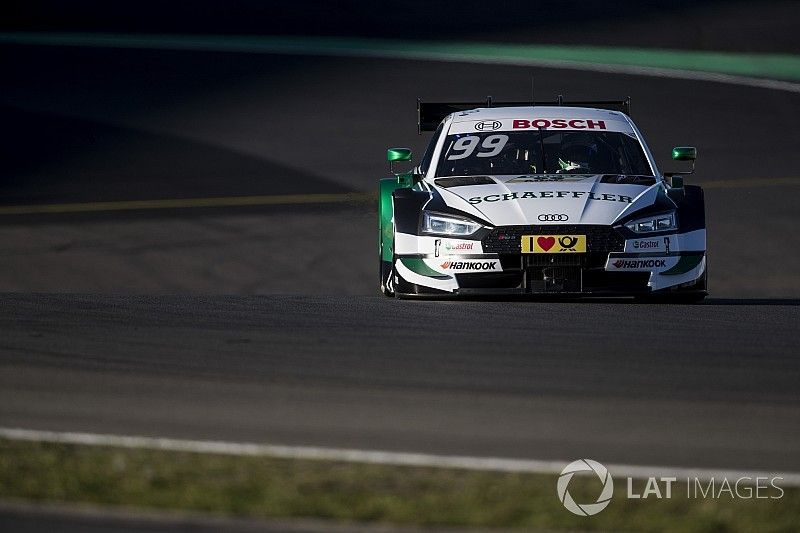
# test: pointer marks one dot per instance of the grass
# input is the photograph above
(353, 492)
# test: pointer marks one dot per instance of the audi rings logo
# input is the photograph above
(553, 217)
(585, 509)
(488, 125)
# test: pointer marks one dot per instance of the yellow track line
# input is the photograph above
(182, 203)
(286, 199)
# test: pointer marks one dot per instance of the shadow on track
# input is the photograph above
(622, 300)
(753, 301)
(55, 159)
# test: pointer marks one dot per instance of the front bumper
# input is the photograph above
(613, 264)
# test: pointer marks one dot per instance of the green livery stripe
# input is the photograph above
(418, 266)
(684, 265)
(774, 66)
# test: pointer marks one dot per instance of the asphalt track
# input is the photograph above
(708, 386)
(712, 386)
(104, 125)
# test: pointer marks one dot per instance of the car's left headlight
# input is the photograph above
(440, 224)
(652, 224)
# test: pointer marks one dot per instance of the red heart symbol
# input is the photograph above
(545, 243)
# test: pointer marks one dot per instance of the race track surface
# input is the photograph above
(712, 385)
(297, 348)
(96, 125)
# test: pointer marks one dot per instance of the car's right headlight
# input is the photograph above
(449, 225)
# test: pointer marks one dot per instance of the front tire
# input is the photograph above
(694, 294)
(386, 273)
(698, 294)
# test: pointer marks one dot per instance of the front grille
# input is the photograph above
(554, 260)
(599, 239)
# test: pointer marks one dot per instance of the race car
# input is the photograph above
(540, 199)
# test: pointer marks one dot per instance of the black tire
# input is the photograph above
(692, 209)
(386, 274)
(689, 295)
(698, 294)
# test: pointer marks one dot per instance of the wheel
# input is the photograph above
(700, 292)
(690, 295)
(386, 237)
(386, 267)
(386, 273)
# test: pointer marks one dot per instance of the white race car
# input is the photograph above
(557, 199)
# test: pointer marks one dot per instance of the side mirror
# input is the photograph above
(684, 153)
(397, 154)
(681, 153)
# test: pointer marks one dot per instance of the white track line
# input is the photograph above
(497, 464)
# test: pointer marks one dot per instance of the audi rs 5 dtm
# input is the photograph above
(539, 199)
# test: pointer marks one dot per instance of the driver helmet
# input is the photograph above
(576, 156)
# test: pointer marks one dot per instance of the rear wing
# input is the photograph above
(430, 114)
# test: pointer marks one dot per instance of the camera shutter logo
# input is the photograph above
(585, 509)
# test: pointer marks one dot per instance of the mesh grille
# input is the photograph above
(554, 260)
(599, 239)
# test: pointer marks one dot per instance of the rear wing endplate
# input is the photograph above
(430, 114)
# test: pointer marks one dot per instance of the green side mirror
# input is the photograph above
(398, 154)
(681, 153)
(684, 153)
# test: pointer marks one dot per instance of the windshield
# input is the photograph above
(545, 152)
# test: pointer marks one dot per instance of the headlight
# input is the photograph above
(439, 224)
(652, 224)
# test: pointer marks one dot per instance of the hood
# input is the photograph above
(532, 200)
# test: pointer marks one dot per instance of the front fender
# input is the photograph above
(407, 205)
